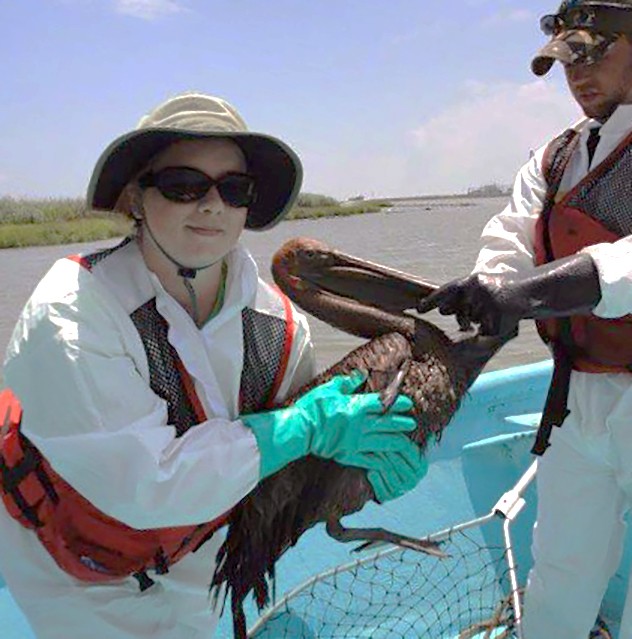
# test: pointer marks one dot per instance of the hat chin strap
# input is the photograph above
(185, 272)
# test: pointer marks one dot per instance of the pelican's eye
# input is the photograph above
(307, 259)
(309, 254)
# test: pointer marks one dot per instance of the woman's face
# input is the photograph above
(202, 232)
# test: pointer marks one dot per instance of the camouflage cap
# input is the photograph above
(582, 31)
(571, 47)
(566, 5)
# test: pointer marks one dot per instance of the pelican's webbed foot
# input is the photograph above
(379, 536)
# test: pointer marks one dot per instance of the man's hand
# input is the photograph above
(565, 287)
(491, 301)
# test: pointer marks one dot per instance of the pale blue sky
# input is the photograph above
(380, 97)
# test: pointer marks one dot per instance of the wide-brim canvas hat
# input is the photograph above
(193, 116)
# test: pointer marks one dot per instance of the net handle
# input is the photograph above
(527, 478)
(511, 503)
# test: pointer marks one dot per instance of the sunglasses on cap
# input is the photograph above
(183, 184)
(605, 20)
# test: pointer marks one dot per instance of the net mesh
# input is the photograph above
(403, 594)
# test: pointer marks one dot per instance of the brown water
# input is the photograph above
(436, 240)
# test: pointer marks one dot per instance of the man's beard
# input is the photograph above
(603, 112)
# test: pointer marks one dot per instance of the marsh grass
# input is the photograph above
(31, 211)
(314, 205)
(31, 222)
(62, 232)
(311, 200)
(41, 222)
(336, 210)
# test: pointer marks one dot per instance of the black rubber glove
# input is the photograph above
(569, 286)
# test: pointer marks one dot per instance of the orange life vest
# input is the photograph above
(85, 542)
(590, 213)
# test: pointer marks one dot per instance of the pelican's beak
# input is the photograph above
(367, 282)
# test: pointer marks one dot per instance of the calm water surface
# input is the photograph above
(436, 240)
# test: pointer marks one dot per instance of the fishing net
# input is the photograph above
(472, 593)
(403, 594)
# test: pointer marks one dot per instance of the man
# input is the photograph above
(561, 253)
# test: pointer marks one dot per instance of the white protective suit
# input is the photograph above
(585, 477)
(78, 365)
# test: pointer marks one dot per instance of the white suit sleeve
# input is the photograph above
(93, 415)
(508, 238)
(614, 263)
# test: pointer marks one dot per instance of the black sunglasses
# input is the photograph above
(183, 184)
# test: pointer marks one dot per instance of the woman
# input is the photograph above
(139, 378)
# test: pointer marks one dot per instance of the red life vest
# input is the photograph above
(85, 542)
(590, 213)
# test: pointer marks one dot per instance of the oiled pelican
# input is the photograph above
(405, 354)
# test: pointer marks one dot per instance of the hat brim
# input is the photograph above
(557, 49)
(560, 49)
(277, 168)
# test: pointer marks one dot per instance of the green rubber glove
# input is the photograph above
(331, 422)
(397, 473)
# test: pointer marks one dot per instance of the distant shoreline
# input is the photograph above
(46, 222)
(25, 223)
(455, 196)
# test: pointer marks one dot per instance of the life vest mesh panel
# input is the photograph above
(89, 261)
(165, 378)
(556, 157)
(606, 196)
(264, 336)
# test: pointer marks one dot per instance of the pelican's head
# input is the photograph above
(299, 265)
(305, 264)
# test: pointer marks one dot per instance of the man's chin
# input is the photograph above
(600, 111)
